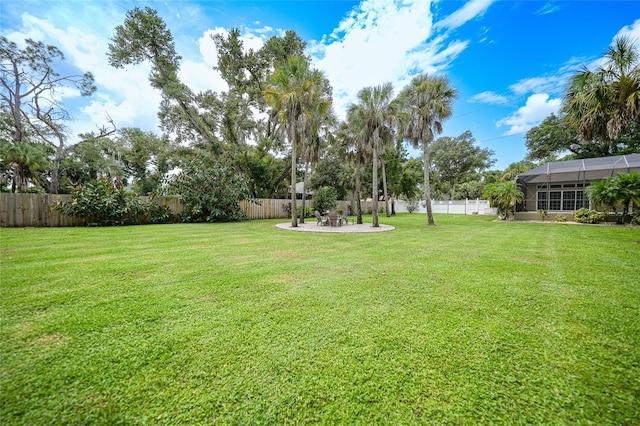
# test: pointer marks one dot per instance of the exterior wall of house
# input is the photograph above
(530, 216)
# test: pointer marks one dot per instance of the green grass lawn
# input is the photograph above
(468, 322)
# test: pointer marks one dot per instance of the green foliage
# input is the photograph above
(560, 217)
(325, 199)
(635, 217)
(425, 103)
(504, 196)
(300, 97)
(551, 137)
(145, 157)
(620, 189)
(454, 159)
(210, 191)
(543, 214)
(585, 215)
(23, 164)
(308, 211)
(410, 176)
(330, 171)
(604, 104)
(104, 203)
(514, 169)
(375, 121)
(412, 206)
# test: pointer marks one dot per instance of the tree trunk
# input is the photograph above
(453, 189)
(427, 184)
(304, 191)
(374, 195)
(53, 189)
(384, 189)
(358, 197)
(294, 206)
(16, 107)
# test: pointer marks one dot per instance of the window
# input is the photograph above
(542, 200)
(555, 200)
(568, 200)
(581, 201)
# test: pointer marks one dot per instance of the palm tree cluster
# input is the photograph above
(372, 126)
(301, 98)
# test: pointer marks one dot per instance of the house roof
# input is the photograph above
(576, 170)
(299, 186)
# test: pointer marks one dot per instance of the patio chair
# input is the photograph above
(322, 220)
(345, 218)
(333, 218)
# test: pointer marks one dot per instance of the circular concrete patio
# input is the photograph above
(312, 226)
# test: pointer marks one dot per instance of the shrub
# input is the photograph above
(560, 217)
(543, 214)
(308, 211)
(210, 192)
(635, 217)
(325, 199)
(159, 214)
(504, 196)
(412, 206)
(585, 215)
(103, 203)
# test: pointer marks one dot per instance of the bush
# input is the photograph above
(159, 214)
(104, 203)
(210, 192)
(543, 214)
(325, 199)
(308, 211)
(585, 215)
(412, 206)
(561, 217)
(504, 196)
(635, 217)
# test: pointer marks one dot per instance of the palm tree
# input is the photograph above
(376, 123)
(23, 161)
(504, 196)
(603, 104)
(322, 118)
(426, 103)
(348, 142)
(615, 190)
(294, 91)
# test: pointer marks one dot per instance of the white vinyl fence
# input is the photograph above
(451, 207)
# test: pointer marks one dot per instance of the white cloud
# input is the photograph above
(471, 10)
(388, 41)
(548, 84)
(556, 84)
(548, 8)
(632, 31)
(489, 98)
(381, 41)
(120, 94)
(201, 76)
(537, 108)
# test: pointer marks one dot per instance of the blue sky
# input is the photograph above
(509, 60)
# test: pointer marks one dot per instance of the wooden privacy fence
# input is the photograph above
(18, 210)
(36, 210)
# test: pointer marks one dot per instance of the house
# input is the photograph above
(299, 186)
(559, 186)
